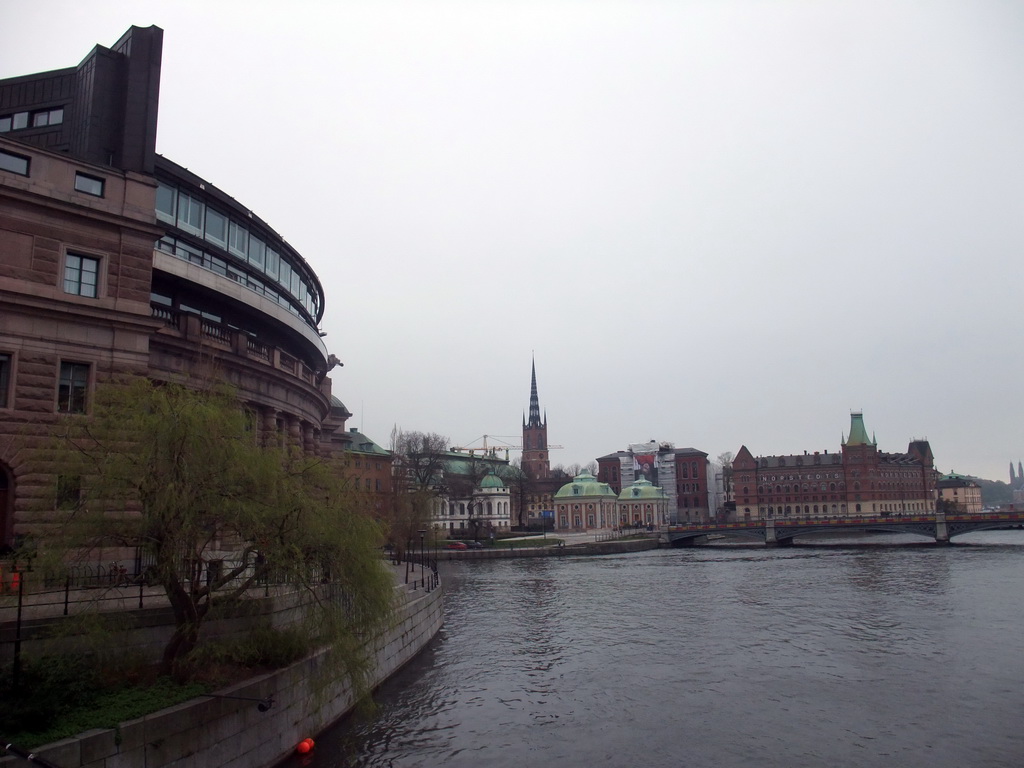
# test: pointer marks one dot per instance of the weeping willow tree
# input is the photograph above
(178, 472)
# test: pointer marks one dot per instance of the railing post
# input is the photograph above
(16, 669)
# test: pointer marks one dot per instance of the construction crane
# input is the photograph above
(490, 449)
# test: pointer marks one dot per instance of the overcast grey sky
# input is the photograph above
(716, 222)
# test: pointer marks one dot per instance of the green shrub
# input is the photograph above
(264, 648)
(103, 709)
(49, 687)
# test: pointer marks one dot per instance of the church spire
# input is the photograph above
(534, 400)
(535, 434)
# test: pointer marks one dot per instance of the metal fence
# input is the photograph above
(29, 596)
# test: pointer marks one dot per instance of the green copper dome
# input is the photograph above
(584, 484)
(491, 480)
(642, 489)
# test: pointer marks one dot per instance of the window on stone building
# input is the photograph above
(5, 379)
(72, 387)
(14, 163)
(69, 491)
(81, 275)
(90, 185)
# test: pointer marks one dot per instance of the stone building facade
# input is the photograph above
(114, 260)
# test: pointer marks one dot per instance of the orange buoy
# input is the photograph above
(311, 743)
(304, 746)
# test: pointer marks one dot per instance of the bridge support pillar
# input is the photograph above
(941, 528)
(769, 533)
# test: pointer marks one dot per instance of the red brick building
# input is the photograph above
(859, 480)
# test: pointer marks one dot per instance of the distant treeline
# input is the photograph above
(994, 492)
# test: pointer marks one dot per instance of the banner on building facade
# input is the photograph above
(645, 465)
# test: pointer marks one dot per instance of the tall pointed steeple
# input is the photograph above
(535, 434)
(534, 400)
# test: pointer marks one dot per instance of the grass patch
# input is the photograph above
(60, 697)
(34, 717)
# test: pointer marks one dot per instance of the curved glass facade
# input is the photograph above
(230, 246)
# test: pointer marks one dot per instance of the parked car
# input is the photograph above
(456, 545)
(474, 545)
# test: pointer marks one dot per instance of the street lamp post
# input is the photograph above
(408, 546)
(423, 581)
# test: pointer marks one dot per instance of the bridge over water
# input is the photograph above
(781, 531)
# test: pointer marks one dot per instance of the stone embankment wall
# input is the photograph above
(233, 732)
(573, 550)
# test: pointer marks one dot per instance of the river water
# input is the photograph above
(873, 651)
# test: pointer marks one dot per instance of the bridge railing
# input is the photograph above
(893, 519)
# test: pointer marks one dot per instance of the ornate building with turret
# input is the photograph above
(860, 480)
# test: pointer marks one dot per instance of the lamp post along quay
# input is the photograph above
(423, 577)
